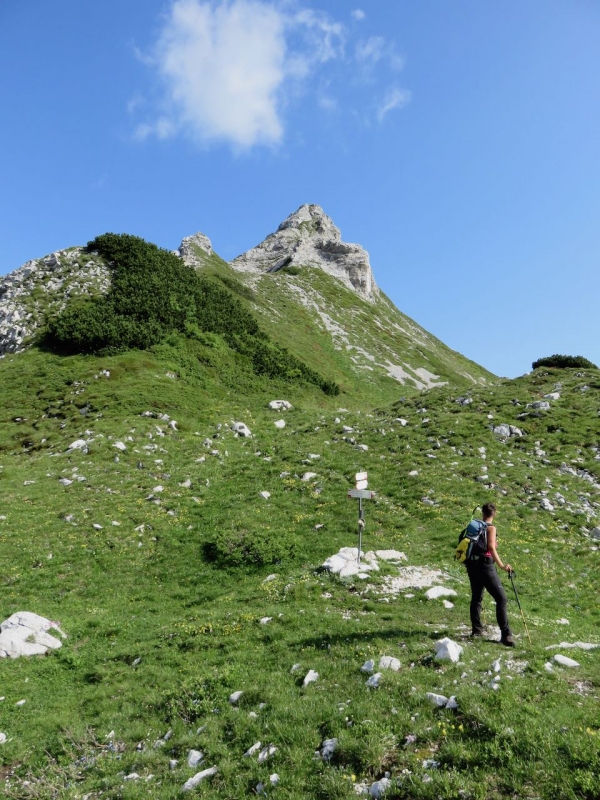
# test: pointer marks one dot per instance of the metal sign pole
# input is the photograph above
(361, 493)
(361, 525)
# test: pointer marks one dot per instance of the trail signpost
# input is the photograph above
(361, 492)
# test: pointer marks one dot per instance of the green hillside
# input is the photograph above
(162, 563)
(358, 343)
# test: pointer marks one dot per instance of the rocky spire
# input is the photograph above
(187, 249)
(308, 238)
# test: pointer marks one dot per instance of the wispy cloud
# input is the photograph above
(372, 49)
(394, 98)
(229, 70)
(358, 14)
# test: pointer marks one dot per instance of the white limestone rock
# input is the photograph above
(374, 681)
(241, 429)
(447, 650)
(390, 555)
(280, 423)
(308, 238)
(439, 700)
(380, 787)
(194, 758)
(234, 697)
(188, 252)
(565, 661)
(368, 666)
(26, 634)
(308, 476)
(389, 662)
(280, 405)
(198, 778)
(57, 277)
(439, 591)
(266, 753)
(310, 677)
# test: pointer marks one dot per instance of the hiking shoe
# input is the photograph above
(507, 641)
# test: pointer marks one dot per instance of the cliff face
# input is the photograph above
(309, 238)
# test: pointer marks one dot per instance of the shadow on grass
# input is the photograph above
(401, 634)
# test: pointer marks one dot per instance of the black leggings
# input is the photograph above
(484, 576)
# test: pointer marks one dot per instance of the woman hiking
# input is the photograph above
(483, 575)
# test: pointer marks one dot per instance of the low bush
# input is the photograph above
(152, 294)
(564, 362)
(238, 547)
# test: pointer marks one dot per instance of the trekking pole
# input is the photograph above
(510, 575)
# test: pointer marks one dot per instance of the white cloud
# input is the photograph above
(395, 98)
(222, 67)
(358, 14)
(371, 50)
(230, 69)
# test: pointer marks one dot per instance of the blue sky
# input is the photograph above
(457, 140)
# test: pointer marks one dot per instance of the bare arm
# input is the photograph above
(491, 537)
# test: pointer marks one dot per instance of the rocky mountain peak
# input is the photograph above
(309, 238)
(187, 248)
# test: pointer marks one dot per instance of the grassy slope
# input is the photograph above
(123, 595)
(378, 328)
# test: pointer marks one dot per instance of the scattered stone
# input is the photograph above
(447, 650)
(389, 662)
(565, 661)
(65, 481)
(368, 666)
(78, 444)
(448, 604)
(194, 758)
(265, 495)
(133, 776)
(439, 591)
(310, 677)
(374, 681)
(280, 423)
(120, 446)
(546, 505)
(391, 555)
(235, 696)
(437, 699)
(266, 753)
(265, 620)
(26, 634)
(198, 778)
(308, 476)
(328, 748)
(380, 787)
(241, 429)
(540, 405)
(280, 405)
(3, 738)
(251, 750)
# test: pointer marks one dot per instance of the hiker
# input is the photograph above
(483, 575)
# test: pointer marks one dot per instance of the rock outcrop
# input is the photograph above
(308, 238)
(187, 249)
(41, 288)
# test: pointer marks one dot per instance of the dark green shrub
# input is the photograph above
(153, 293)
(243, 547)
(564, 362)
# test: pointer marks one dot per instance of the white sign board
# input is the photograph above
(360, 476)
(362, 494)
(361, 484)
